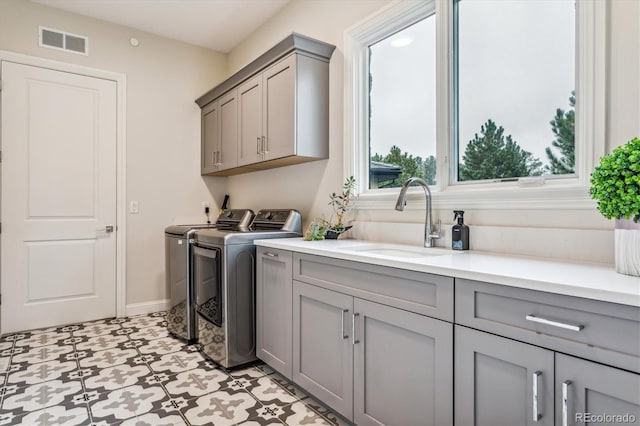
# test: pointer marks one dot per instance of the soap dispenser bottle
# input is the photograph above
(459, 232)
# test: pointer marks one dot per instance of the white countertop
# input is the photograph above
(588, 280)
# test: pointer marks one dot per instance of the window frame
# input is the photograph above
(561, 192)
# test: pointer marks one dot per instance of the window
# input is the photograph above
(482, 97)
(402, 106)
(514, 88)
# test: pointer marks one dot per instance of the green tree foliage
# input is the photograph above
(411, 166)
(492, 155)
(563, 127)
(429, 167)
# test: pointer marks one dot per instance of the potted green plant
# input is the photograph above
(615, 184)
(320, 228)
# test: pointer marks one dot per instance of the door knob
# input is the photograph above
(108, 229)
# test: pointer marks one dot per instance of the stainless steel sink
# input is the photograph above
(398, 251)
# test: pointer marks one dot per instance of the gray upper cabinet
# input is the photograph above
(501, 382)
(250, 121)
(210, 138)
(228, 127)
(273, 309)
(220, 134)
(282, 108)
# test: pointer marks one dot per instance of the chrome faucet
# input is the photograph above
(429, 234)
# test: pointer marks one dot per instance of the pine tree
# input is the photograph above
(492, 155)
(429, 168)
(563, 127)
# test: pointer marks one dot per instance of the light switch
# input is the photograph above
(133, 207)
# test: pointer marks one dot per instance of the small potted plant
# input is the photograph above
(320, 228)
(615, 184)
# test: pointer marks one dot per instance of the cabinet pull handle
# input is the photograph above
(213, 158)
(344, 336)
(258, 146)
(353, 329)
(218, 158)
(265, 145)
(536, 387)
(565, 402)
(565, 325)
(268, 253)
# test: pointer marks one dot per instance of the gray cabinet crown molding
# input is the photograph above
(293, 43)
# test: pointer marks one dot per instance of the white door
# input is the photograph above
(58, 262)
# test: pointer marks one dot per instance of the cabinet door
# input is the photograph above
(322, 347)
(279, 109)
(586, 390)
(403, 365)
(227, 156)
(250, 121)
(273, 309)
(210, 138)
(496, 381)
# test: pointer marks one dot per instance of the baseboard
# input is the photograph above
(146, 307)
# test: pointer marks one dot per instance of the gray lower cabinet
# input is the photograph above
(379, 346)
(501, 382)
(273, 309)
(587, 392)
(372, 363)
(535, 367)
(403, 367)
(322, 346)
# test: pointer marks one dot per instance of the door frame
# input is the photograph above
(121, 216)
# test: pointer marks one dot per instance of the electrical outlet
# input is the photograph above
(205, 206)
(134, 208)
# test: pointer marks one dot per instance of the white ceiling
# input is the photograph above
(215, 24)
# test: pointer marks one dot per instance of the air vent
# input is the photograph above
(60, 40)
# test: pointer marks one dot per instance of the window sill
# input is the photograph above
(566, 197)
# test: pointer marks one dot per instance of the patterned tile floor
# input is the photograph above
(130, 371)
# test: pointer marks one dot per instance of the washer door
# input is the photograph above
(207, 270)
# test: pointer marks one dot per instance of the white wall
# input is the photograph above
(163, 134)
(164, 77)
(568, 234)
(306, 186)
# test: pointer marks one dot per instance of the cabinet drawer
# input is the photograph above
(425, 294)
(600, 331)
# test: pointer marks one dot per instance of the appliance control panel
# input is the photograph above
(273, 215)
(284, 220)
(235, 217)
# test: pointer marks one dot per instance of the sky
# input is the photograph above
(517, 65)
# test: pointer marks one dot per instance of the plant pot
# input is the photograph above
(333, 234)
(627, 247)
